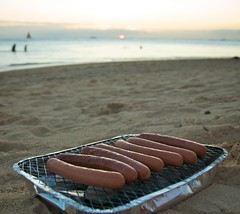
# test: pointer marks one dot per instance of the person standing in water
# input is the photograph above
(25, 48)
(14, 48)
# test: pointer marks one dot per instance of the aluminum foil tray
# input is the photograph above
(161, 191)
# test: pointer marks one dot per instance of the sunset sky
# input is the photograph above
(144, 15)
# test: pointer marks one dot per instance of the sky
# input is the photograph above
(131, 15)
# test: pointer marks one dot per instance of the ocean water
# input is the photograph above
(57, 52)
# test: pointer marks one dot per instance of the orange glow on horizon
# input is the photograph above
(147, 15)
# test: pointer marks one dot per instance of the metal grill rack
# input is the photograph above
(141, 195)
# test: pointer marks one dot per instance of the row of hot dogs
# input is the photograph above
(111, 167)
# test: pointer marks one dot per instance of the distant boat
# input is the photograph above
(29, 36)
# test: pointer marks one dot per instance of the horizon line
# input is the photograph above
(88, 26)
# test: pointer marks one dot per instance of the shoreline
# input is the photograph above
(48, 109)
(50, 65)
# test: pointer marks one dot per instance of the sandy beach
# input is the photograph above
(44, 110)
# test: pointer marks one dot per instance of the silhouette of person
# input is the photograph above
(14, 48)
(25, 48)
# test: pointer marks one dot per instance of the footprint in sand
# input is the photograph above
(41, 131)
(6, 119)
(111, 108)
(8, 146)
(30, 121)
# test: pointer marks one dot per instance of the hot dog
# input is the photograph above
(199, 149)
(189, 157)
(169, 158)
(96, 162)
(87, 176)
(154, 164)
(143, 171)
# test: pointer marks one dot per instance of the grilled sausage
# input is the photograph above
(199, 149)
(154, 164)
(169, 158)
(87, 176)
(92, 161)
(189, 157)
(143, 171)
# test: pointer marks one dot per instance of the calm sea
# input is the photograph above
(57, 52)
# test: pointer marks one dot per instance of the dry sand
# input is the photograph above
(49, 109)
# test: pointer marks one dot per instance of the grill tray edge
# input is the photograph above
(157, 200)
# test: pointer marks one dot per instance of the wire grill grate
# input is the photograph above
(100, 198)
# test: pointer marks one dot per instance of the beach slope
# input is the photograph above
(49, 109)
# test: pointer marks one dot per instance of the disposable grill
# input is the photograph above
(161, 191)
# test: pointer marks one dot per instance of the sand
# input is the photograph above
(45, 110)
